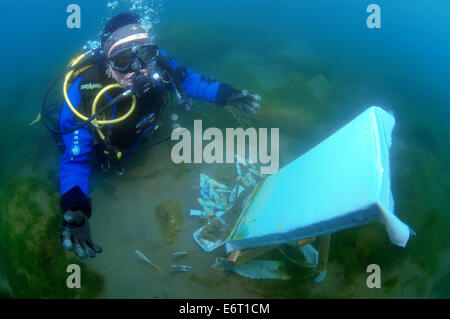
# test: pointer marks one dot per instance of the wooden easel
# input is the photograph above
(238, 257)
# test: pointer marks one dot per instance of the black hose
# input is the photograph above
(175, 80)
(93, 116)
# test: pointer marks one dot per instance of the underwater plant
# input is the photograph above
(170, 219)
(33, 260)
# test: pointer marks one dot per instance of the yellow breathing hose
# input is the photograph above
(94, 105)
(95, 122)
(94, 108)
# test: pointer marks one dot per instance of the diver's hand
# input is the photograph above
(76, 235)
(245, 101)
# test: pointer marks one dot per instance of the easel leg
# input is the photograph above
(324, 250)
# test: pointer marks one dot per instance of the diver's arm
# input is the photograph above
(75, 165)
(201, 87)
(74, 171)
(198, 86)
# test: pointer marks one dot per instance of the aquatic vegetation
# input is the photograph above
(423, 134)
(290, 121)
(5, 289)
(182, 41)
(420, 181)
(170, 219)
(33, 260)
(319, 87)
(434, 238)
(441, 288)
(390, 284)
(357, 248)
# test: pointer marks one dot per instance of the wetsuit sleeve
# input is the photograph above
(198, 86)
(75, 165)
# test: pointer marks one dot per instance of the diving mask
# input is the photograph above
(133, 58)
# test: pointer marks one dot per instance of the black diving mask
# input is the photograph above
(134, 58)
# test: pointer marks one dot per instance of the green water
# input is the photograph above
(283, 73)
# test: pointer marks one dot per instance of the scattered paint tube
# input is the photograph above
(220, 213)
(195, 212)
(217, 185)
(233, 193)
(245, 181)
(250, 179)
(254, 172)
(180, 253)
(142, 256)
(209, 204)
(223, 191)
(211, 192)
(203, 192)
(183, 268)
(216, 197)
(202, 180)
(239, 171)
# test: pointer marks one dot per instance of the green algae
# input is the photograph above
(183, 38)
(419, 181)
(434, 238)
(390, 284)
(170, 219)
(441, 288)
(355, 249)
(33, 260)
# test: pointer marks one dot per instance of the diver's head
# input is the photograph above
(129, 50)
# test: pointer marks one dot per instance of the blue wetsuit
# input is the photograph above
(75, 165)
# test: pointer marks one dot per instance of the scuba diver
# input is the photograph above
(127, 68)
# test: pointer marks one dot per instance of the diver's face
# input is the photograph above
(124, 75)
(126, 79)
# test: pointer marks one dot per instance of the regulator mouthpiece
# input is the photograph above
(142, 84)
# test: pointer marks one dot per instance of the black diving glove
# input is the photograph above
(245, 101)
(75, 234)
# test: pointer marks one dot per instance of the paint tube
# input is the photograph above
(254, 172)
(237, 189)
(201, 213)
(239, 171)
(209, 204)
(183, 268)
(180, 253)
(250, 179)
